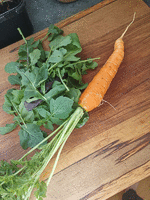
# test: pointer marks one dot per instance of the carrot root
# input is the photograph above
(94, 93)
(104, 101)
(128, 26)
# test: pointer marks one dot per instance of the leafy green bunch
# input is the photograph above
(50, 84)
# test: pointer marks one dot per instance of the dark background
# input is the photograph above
(42, 13)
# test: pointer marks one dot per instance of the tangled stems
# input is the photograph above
(21, 183)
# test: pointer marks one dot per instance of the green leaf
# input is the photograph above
(11, 67)
(70, 57)
(49, 125)
(23, 54)
(31, 91)
(30, 41)
(26, 77)
(43, 88)
(35, 56)
(75, 40)
(42, 112)
(56, 83)
(63, 51)
(57, 90)
(17, 96)
(43, 55)
(28, 116)
(56, 120)
(14, 79)
(74, 94)
(60, 41)
(36, 77)
(76, 76)
(40, 75)
(7, 106)
(56, 57)
(30, 135)
(74, 47)
(8, 128)
(35, 44)
(54, 31)
(41, 190)
(61, 107)
(24, 138)
(74, 83)
(89, 65)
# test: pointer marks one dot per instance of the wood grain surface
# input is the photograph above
(111, 152)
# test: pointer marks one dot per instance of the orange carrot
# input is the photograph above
(94, 93)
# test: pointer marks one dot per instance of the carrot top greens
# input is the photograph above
(50, 86)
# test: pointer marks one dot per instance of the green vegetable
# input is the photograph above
(18, 178)
(51, 83)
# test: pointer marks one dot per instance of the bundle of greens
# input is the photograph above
(50, 84)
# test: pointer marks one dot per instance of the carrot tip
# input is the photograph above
(128, 26)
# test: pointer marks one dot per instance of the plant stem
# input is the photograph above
(18, 114)
(48, 55)
(83, 61)
(22, 35)
(62, 80)
(60, 142)
(45, 37)
(26, 44)
(53, 66)
(74, 120)
(19, 171)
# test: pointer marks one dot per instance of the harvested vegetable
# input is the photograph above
(59, 105)
(50, 85)
(94, 93)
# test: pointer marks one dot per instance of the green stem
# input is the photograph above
(2, 183)
(83, 61)
(62, 80)
(48, 56)
(52, 66)
(48, 158)
(18, 114)
(60, 142)
(39, 172)
(45, 37)
(26, 44)
(67, 130)
(19, 170)
(22, 35)
(49, 149)
(74, 120)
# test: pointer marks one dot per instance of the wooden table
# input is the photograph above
(111, 152)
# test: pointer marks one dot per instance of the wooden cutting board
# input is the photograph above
(111, 152)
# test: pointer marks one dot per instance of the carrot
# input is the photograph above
(94, 93)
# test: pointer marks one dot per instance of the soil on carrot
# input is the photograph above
(8, 5)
